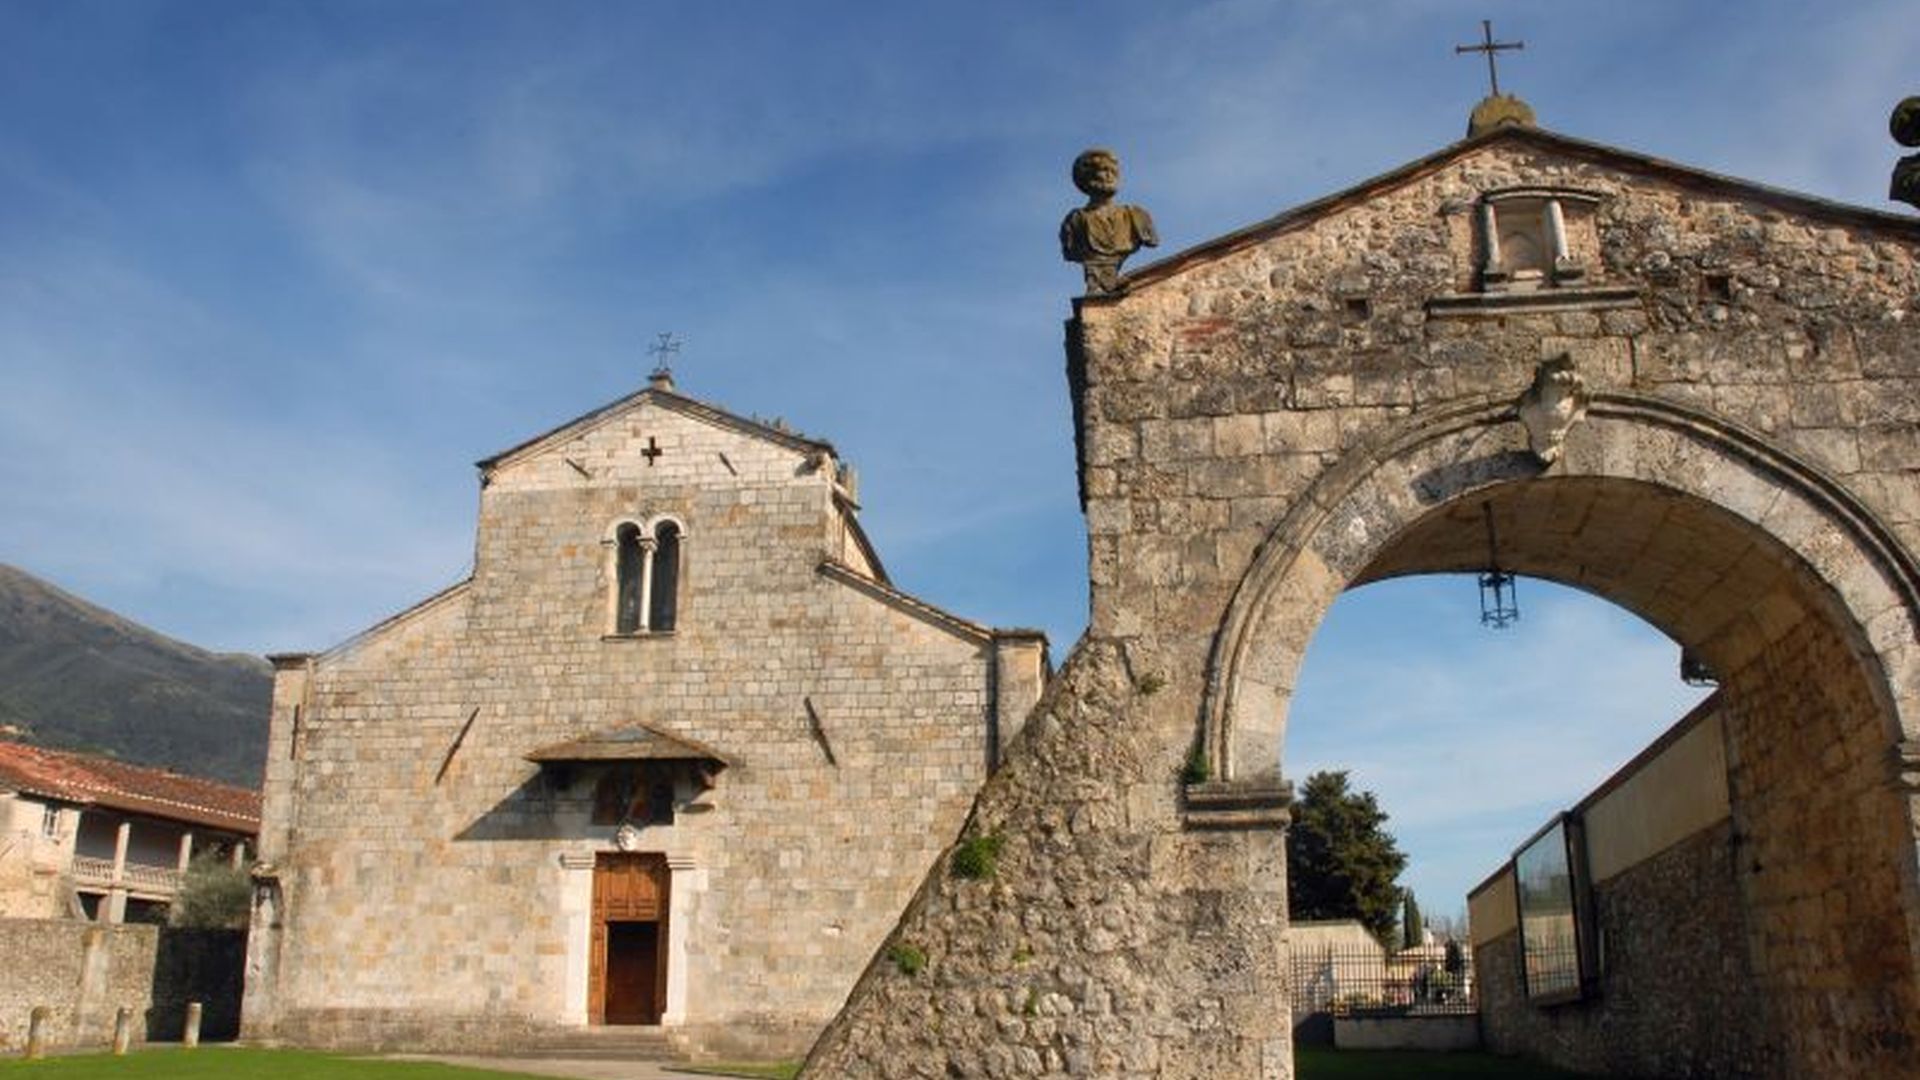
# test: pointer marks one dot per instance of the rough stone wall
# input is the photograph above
(1219, 394)
(1216, 394)
(431, 909)
(83, 971)
(1106, 942)
(1676, 994)
(1820, 859)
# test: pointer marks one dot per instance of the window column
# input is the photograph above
(1490, 271)
(647, 546)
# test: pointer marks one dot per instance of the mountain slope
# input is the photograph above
(80, 677)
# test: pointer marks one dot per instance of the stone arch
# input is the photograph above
(1828, 552)
(1774, 574)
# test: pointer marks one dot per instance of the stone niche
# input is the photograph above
(1529, 246)
(1533, 237)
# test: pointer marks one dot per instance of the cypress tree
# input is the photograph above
(1341, 861)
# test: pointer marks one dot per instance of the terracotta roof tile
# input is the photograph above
(116, 785)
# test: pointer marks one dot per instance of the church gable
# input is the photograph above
(1511, 176)
(676, 674)
(655, 439)
(1641, 271)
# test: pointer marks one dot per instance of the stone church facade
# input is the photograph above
(1694, 396)
(676, 754)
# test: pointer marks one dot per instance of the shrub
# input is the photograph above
(909, 959)
(214, 895)
(975, 859)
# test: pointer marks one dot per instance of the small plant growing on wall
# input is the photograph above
(907, 957)
(1150, 684)
(975, 859)
(1196, 770)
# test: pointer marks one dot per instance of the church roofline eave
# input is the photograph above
(398, 618)
(1682, 175)
(680, 403)
(966, 629)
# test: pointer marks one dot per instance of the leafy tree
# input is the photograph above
(214, 895)
(1341, 861)
(1413, 931)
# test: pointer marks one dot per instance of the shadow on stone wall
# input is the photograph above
(86, 972)
(208, 966)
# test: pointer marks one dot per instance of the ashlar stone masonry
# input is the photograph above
(1728, 444)
(509, 813)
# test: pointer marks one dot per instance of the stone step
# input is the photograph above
(603, 1044)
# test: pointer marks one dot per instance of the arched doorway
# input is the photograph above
(1768, 573)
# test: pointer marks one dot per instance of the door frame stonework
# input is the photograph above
(609, 905)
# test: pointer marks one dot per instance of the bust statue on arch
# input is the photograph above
(1100, 235)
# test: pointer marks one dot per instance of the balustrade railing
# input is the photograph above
(153, 878)
(92, 870)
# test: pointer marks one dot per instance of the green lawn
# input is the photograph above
(1393, 1065)
(230, 1063)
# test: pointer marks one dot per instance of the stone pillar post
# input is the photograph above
(576, 913)
(292, 675)
(1019, 674)
(685, 879)
(37, 1022)
(186, 849)
(122, 1029)
(116, 902)
(190, 1037)
(238, 857)
(120, 838)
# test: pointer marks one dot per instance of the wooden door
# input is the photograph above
(627, 972)
(633, 968)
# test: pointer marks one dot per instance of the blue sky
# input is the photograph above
(275, 274)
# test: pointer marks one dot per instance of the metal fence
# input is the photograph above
(1349, 980)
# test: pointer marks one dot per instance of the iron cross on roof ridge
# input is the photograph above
(663, 351)
(1490, 47)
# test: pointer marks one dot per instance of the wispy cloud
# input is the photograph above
(1461, 729)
